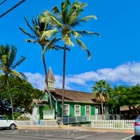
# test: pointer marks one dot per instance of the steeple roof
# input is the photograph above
(50, 76)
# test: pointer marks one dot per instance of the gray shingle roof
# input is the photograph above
(50, 76)
(74, 96)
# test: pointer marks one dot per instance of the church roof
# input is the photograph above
(50, 76)
(74, 96)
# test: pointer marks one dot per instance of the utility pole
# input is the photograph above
(21, 1)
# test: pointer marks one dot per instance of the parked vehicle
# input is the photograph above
(4, 123)
(137, 127)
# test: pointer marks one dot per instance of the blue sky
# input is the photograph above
(115, 55)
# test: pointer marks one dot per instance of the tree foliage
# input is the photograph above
(126, 96)
(8, 65)
(22, 93)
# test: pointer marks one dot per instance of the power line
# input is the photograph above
(11, 8)
(3, 2)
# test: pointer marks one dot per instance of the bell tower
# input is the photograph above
(50, 80)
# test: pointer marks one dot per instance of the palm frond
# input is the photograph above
(27, 33)
(82, 45)
(59, 47)
(88, 17)
(84, 5)
(18, 62)
(53, 19)
(73, 7)
(43, 18)
(76, 9)
(4, 60)
(48, 33)
(49, 45)
(23, 76)
(12, 55)
(16, 74)
(67, 40)
(29, 25)
(76, 34)
(34, 21)
(64, 9)
(29, 40)
(87, 33)
(56, 10)
(79, 21)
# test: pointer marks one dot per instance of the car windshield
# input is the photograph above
(138, 118)
(2, 118)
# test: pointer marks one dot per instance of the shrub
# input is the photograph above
(16, 115)
(23, 118)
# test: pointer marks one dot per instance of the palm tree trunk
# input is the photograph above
(45, 71)
(12, 109)
(102, 107)
(44, 64)
(63, 82)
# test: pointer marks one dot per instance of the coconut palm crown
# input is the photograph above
(67, 18)
(101, 91)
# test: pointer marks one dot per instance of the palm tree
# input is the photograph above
(66, 19)
(43, 33)
(100, 91)
(7, 65)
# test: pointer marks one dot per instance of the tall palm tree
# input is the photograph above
(7, 65)
(43, 33)
(100, 91)
(66, 19)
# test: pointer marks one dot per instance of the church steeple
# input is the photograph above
(50, 80)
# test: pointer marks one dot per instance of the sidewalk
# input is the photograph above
(80, 128)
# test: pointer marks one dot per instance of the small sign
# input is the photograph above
(85, 117)
(48, 114)
(38, 122)
(66, 119)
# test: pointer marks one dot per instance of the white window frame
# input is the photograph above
(89, 110)
(98, 109)
(68, 110)
(79, 110)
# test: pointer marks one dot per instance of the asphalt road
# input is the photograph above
(62, 135)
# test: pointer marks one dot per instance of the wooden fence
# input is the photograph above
(113, 124)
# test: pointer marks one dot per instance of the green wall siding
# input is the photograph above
(82, 109)
(71, 105)
(93, 110)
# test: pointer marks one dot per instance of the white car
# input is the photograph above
(4, 123)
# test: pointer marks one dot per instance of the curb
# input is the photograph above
(77, 128)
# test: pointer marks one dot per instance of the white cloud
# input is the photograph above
(126, 73)
(36, 79)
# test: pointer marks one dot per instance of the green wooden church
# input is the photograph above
(76, 103)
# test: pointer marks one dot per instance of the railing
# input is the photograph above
(105, 117)
(78, 119)
(113, 124)
(47, 123)
(68, 120)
